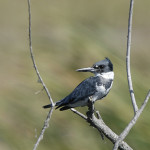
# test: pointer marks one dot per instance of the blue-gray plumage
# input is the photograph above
(96, 86)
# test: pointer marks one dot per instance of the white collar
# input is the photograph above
(108, 75)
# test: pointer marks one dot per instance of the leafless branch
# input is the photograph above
(135, 107)
(78, 113)
(32, 57)
(132, 123)
(41, 81)
(46, 125)
(137, 112)
(99, 124)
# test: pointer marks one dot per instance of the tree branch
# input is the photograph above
(137, 112)
(33, 60)
(135, 107)
(41, 81)
(78, 113)
(46, 125)
(132, 123)
(99, 124)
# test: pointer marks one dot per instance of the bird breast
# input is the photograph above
(102, 90)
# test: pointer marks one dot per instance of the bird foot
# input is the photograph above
(91, 108)
(91, 99)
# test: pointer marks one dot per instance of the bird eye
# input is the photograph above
(96, 67)
(101, 66)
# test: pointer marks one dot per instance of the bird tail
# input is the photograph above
(47, 106)
(50, 105)
(58, 104)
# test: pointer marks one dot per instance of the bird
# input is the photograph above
(95, 87)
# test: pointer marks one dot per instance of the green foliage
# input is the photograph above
(68, 35)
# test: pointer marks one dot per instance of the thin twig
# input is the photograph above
(46, 123)
(135, 107)
(78, 113)
(33, 60)
(132, 123)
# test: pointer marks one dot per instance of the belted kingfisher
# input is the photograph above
(96, 87)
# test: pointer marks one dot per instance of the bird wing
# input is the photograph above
(84, 90)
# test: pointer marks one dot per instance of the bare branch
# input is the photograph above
(33, 60)
(137, 112)
(99, 124)
(78, 113)
(46, 123)
(135, 107)
(132, 123)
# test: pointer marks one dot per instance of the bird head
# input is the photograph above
(100, 67)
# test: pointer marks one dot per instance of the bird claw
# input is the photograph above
(98, 115)
(91, 99)
(91, 108)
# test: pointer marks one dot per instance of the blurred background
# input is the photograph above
(68, 35)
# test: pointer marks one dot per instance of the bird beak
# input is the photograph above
(89, 69)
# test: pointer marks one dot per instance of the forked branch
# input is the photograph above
(46, 123)
(137, 112)
(132, 123)
(103, 129)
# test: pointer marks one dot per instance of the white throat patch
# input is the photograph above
(108, 75)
